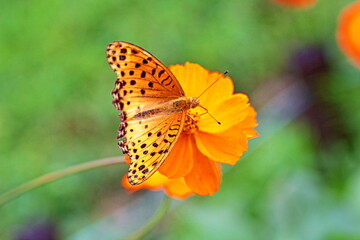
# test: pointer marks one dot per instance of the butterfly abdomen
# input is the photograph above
(147, 113)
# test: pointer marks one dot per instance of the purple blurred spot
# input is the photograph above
(38, 231)
(309, 61)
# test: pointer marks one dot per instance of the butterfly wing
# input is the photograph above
(144, 83)
(142, 78)
(149, 143)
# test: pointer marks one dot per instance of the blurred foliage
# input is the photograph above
(56, 111)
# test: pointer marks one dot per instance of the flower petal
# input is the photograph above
(180, 160)
(230, 112)
(177, 188)
(205, 176)
(250, 120)
(226, 147)
(155, 182)
(251, 133)
(229, 146)
(194, 80)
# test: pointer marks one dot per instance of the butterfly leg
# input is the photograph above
(190, 116)
(206, 110)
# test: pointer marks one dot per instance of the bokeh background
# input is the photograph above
(299, 180)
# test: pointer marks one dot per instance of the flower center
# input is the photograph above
(191, 121)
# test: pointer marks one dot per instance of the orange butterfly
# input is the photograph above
(153, 105)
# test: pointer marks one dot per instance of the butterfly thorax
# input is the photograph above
(177, 105)
(185, 103)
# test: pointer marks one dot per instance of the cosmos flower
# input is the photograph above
(348, 33)
(194, 164)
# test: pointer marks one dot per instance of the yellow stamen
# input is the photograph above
(191, 121)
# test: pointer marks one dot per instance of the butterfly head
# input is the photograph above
(194, 102)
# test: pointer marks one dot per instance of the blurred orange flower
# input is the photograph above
(296, 3)
(194, 164)
(348, 33)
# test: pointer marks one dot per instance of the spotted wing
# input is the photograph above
(142, 78)
(149, 142)
(144, 83)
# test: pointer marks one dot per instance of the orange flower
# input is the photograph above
(348, 34)
(296, 3)
(194, 164)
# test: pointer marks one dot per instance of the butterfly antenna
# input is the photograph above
(213, 83)
(214, 118)
(207, 112)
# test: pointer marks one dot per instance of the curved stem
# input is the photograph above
(50, 177)
(153, 221)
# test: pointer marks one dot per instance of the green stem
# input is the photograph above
(153, 221)
(50, 177)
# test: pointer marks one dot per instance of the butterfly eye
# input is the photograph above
(194, 103)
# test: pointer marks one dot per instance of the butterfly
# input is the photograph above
(154, 108)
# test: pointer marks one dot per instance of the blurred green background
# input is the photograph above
(300, 178)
